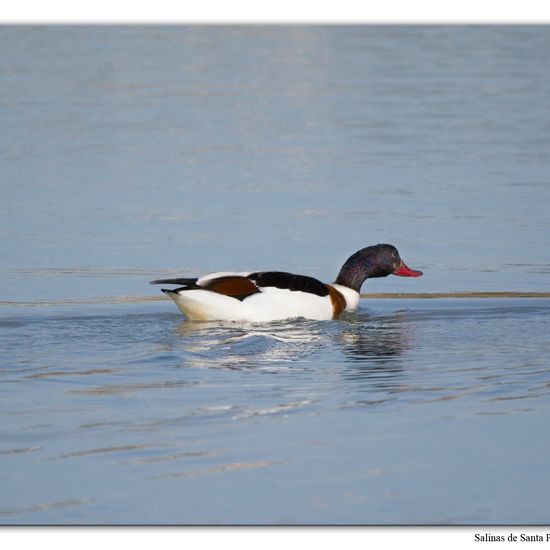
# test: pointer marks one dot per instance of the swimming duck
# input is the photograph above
(272, 295)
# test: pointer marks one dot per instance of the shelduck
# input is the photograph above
(272, 295)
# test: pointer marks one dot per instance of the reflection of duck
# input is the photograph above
(272, 295)
(267, 347)
(379, 339)
(373, 347)
(358, 347)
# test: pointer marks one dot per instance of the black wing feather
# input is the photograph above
(289, 281)
(181, 281)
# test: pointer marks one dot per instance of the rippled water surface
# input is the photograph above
(427, 411)
(134, 153)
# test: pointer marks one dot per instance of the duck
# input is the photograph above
(263, 296)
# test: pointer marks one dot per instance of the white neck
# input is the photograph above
(351, 296)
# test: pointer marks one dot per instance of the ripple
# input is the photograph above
(7, 511)
(276, 409)
(119, 389)
(100, 450)
(221, 469)
(20, 450)
(174, 457)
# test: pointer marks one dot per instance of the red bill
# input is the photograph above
(404, 271)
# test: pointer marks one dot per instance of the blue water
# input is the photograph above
(133, 153)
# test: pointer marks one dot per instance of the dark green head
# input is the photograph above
(379, 260)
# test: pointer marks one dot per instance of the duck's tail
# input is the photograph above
(180, 281)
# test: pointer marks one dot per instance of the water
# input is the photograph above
(133, 153)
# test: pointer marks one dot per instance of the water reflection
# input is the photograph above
(373, 348)
(359, 347)
(374, 339)
(267, 346)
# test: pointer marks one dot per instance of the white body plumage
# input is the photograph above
(268, 304)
